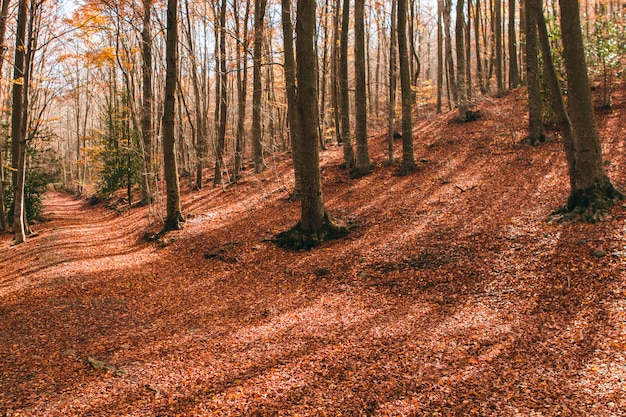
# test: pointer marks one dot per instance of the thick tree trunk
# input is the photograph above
(314, 226)
(513, 69)
(174, 213)
(408, 157)
(257, 93)
(363, 164)
(592, 191)
(346, 138)
(292, 110)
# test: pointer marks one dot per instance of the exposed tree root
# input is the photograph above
(298, 239)
(587, 206)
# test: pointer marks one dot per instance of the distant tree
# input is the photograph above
(393, 77)
(513, 68)
(315, 225)
(463, 102)
(147, 131)
(174, 213)
(363, 165)
(221, 98)
(4, 12)
(497, 24)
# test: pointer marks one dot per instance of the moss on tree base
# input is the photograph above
(588, 206)
(298, 239)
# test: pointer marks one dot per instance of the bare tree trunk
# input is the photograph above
(463, 104)
(18, 140)
(174, 213)
(3, 26)
(335, 58)
(536, 133)
(292, 110)
(513, 69)
(498, 34)
(257, 131)
(447, 10)
(348, 152)
(440, 61)
(393, 74)
(314, 226)
(221, 100)
(479, 56)
(242, 81)
(408, 157)
(363, 164)
(146, 111)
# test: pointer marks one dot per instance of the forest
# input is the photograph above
(292, 208)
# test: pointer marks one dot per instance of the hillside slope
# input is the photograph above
(452, 296)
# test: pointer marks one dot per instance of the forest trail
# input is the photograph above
(452, 296)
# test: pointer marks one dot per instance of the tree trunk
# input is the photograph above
(498, 34)
(257, 94)
(513, 69)
(292, 110)
(536, 133)
(3, 25)
(440, 62)
(348, 152)
(391, 118)
(408, 158)
(447, 10)
(363, 164)
(221, 100)
(479, 56)
(146, 111)
(314, 226)
(242, 81)
(463, 104)
(174, 213)
(592, 192)
(18, 141)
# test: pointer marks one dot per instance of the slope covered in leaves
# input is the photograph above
(452, 296)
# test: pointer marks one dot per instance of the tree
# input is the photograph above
(592, 192)
(292, 108)
(408, 157)
(18, 136)
(3, 26)
(146, 111)
(363, 164)
(344, 91)
(221, 99)
(257, 142)
(391, 117)
(174, 213)
(497, 24)
(463, 103)
(315, 225)
(536, 132)
(513, 69)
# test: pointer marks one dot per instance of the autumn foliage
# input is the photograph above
(451, 296)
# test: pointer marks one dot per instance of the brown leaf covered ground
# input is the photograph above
(451, 297)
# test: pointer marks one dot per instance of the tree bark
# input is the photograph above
(592, 191)
(393, 74)
(536, 133)
(221, 99)
(363, 164)
(498, 34)
(242, 81)
(3, 26)
(257, 93)
(174, 213)
(146, 111)
(292, 108)
(314, 226)
(346, 138)
(408, 157)
(463, 104)
(513, 69)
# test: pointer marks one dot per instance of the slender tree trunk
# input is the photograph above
(146, 111)
(348, 152)
(463, 104)
(447, 10)
(498, 34)
(257, 94)
(513, 69)
(408, 157)
(335, 57)
(393, 74)
(242, 81)
(479, 56)
(174, 213)
(221, 127)
(536, 133)
(440, 61)
(292, 110)
(363, 164)
(18, 141)
(3, 26)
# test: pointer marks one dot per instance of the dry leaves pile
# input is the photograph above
(451, 297)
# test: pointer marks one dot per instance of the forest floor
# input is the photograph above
(451, 297)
